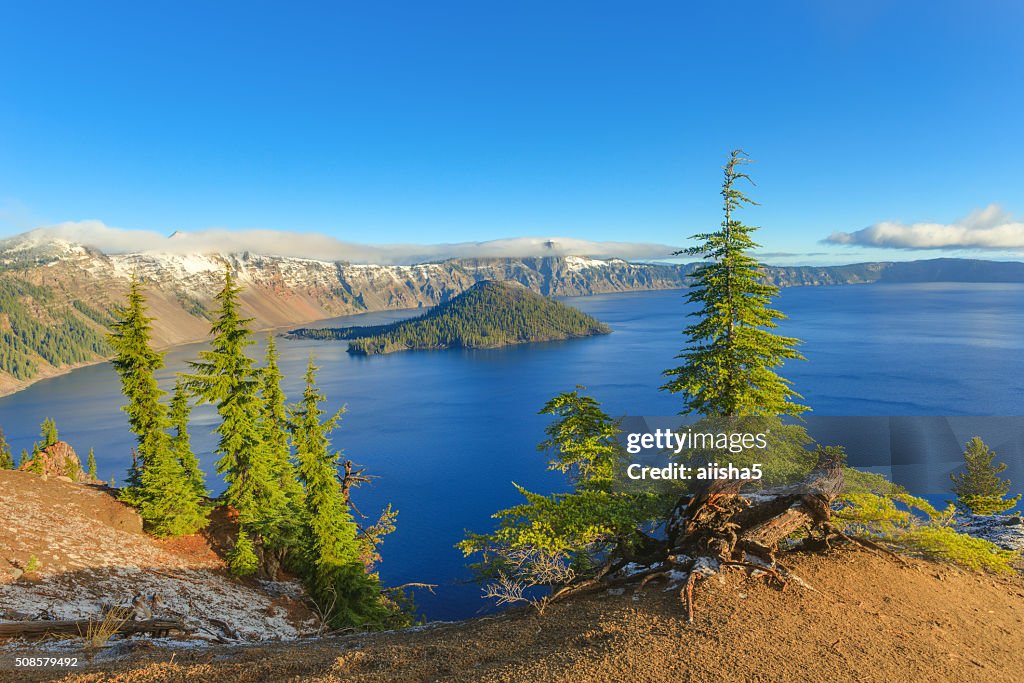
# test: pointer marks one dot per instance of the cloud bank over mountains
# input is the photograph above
(109, 239)
(988, 228)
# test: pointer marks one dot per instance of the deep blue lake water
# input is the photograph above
(447, 432)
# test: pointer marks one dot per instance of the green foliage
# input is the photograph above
(943, 543)
(192, 305)
(372, 536)
(181, 442)
(978, 489)
(282, 514)
(858, 481)
(167, 499)
(32, 565)
(786, 459)
(331, 528)
(91, 466)
(6, 459)
(731, 355)
(37, 466)
(136, 364)
(487, 315)
(160, 486)
(224, 376)
(577, 525)
(580, 526)
(71, 468)
(336, 578)
(48, 432)
(22, 458)
(98, 317)
(242, 560)
(913, 524)
(59, 338)
(582, 441)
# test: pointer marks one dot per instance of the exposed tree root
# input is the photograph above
(687, 595)
(868, 544)
(718, 527)
(773, 572)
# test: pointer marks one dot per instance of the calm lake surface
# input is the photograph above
(447, 433)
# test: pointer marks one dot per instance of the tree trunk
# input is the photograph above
(15, 629)
(720, 523)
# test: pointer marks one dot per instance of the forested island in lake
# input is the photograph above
(487, 315)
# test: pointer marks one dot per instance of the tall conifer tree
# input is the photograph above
(978, 488)
(6, 459)
(732, 354)
(136, 362)
(181, 441)
(284, 517)
(224, 376)
(337, 577)
(331, 526)
(90, 465)
(167, 500)
(48, 432)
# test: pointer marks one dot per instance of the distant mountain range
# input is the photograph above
(57, 297)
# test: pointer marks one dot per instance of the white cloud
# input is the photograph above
(988, 228)
(96, 234)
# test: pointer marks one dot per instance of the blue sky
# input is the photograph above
(399, 122)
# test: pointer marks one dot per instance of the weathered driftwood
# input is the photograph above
(16, 629)
(723, 526)
(719, 527)
(719, 522)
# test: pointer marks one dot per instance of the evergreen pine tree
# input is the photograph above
(166, 498)
(136, 363)
(224, 376)
(181, 442)
(282, 521)
(337, 579)
(731, 355)
(48, 431)
(22, 458)
(91, 466)
(979, 490)
(242, 560)
(6, 460)
(133, 480)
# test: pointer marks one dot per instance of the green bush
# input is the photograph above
(979, 490)
(891, 518)
(242, 560)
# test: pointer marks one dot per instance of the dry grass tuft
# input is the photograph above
(99, 632)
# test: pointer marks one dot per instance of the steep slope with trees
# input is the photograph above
(488, 315)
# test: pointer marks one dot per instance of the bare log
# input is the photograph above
(18, 629)
(720, 522)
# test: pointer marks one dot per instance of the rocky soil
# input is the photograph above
(67, 550)
(860, 617)
(1006, 531)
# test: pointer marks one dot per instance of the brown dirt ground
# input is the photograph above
(865, 618)
(90, 550)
